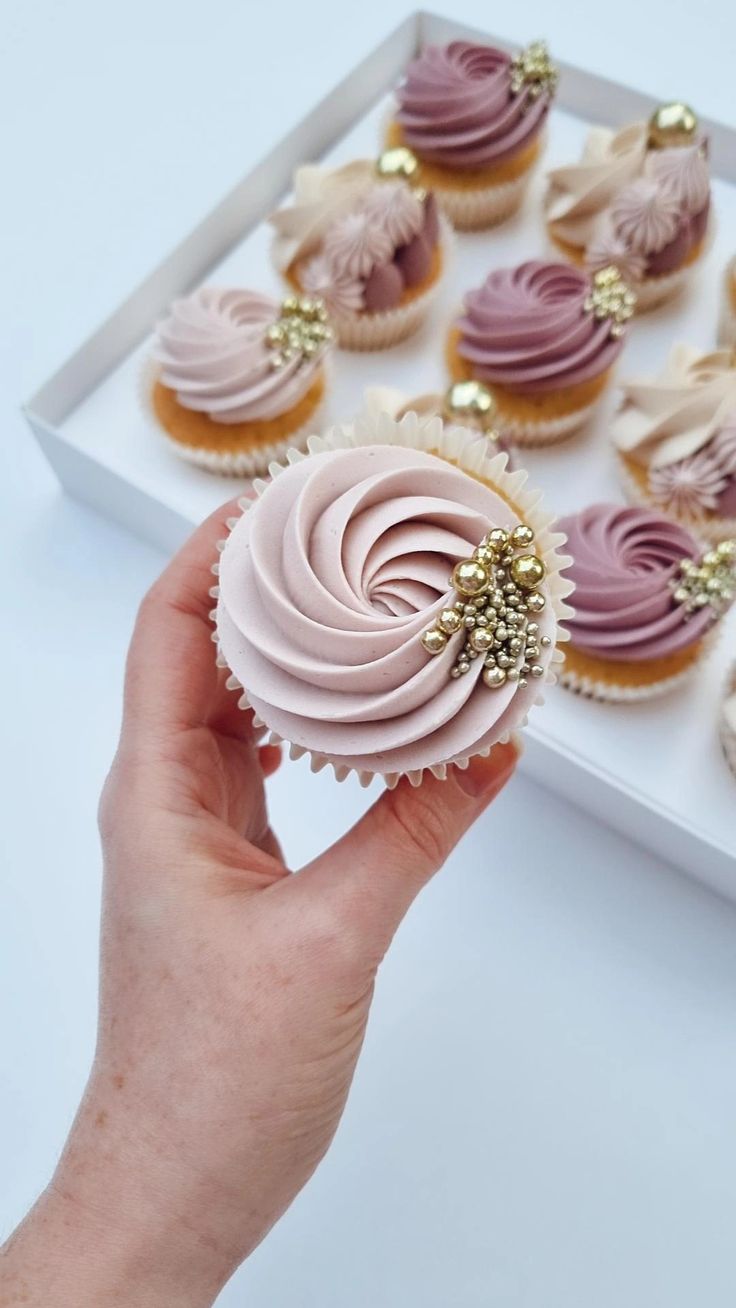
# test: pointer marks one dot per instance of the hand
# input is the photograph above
(234, 995)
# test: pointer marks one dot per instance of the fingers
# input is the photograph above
(375, 871)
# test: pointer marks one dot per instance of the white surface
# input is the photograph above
(617, 762)
(543, 1117)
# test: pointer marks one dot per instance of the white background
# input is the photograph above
(544, 1113)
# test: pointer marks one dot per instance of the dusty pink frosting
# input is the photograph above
(212, 352)
(624, 560)
(326, 585)
(456, 107)
(526, 328)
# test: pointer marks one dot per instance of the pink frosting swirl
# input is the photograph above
(623, 563)
(397, 209)
(212, 352)
(527, 328)
(326, 585)
(645, 216)
(682, 173)
(456, 107)
(356, 243)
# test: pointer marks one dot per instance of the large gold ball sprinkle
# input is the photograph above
(481, 639)
(527, 571)
(494, 677)
(470, 402)
(470, 578)
(522, 536)
(498, 539)
(450, 621)
(671, 125)
(397, 162)
(434, 640)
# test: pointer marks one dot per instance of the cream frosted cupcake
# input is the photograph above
(391, 602)
(368, 243)
(237, 377)
(675, 441)
(646, 602)
(464, 404)
(640, 199)
(727, 323)
(544, 337)
(727, 725)
(474, 116)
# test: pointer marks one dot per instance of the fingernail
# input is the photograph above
(486, 776)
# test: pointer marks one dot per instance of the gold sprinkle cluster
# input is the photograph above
(610, 297)
(533, 68)
(710, 580)
(498, 601)
(301, 330)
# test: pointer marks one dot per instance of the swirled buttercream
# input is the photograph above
(579, 193)
(669, 417)
(683, 174)
(213, 353)
(645, 216)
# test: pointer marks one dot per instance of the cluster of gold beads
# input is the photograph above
(498, 601)
(610, 297)
(301, 330)
(710, 580)
(533, 68)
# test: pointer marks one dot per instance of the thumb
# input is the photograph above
(373, 873)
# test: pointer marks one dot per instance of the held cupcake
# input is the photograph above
(464, 404)
(391, 602)
(474, 116)
(544, 337)
(727, 725)
(675, 441)
(367, 242)
(646, 602)
(727, 323)
(640, 199)
(236, 377)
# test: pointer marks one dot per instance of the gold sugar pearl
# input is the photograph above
(527, 571)
(434, 640)
(470, 578)
(671, 125)
(470, 402)
(450, 621)
(399, 161)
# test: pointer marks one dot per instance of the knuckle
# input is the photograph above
(418, 827)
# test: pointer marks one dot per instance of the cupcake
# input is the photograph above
(640, 199)
(237, 377)
(544, 337)
(368, 243)
(727, 324)
(675, 441)
(474, 117)
(464, 404)
(727, 725)
(391, 602)
(646, 602)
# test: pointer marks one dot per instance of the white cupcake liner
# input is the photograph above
(711, 529)
(727, 736)
(546, 432)
(727, 316)
(379, 331)
(229, 463)
(467, 451)
(608, 692)
(474, 210)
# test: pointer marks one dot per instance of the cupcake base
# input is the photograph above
(709, 527)
(232, 449)
(476, 198)
(379, 331)
(620, 683)
(533, 420)
(651, 291)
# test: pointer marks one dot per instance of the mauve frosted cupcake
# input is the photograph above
(389, 609)
(646, 602)
(237, 377)
(727, 724)
(474, 116)
(675, 441)
(640, 199)
(544, 337)
(727, 322)
(368, 243)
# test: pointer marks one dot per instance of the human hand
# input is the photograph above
(234, 995)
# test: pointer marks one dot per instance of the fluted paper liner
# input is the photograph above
(470, 453)
(612, 693)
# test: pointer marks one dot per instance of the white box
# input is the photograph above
(653, 771)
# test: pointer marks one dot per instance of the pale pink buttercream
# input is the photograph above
(723, 446)
(682, 173)
(397, 209)
(212, 352)
(645, 216)
(326, 585)
(607, 248)
(456, 107)
(527, 328)
(341, 294)
(356, 243)
(690, 487)
(624, 561)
